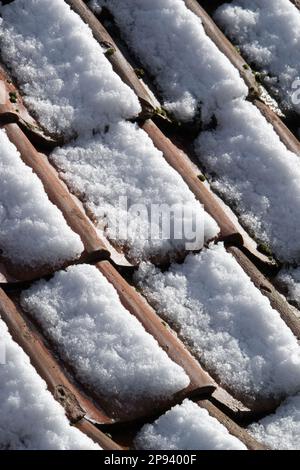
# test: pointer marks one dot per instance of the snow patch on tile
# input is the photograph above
(123, 163)
(108, 348)
(281, 430)
(229, 324)
(253, 170)
(30, 417)
(189, 69)
(33, 232)
(61, 69)
(187, 427)
(265, 30)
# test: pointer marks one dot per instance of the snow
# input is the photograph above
(265, 30)
(30, 417)
(33, 231)
(290, 278)
(189, 69)
(187, 427)
(94, 6)
(67, 81)
(107, 347)
(123, 163)
(253, 170)
(228, 323)
(281, 430)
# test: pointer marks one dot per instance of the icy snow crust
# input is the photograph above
(123, 163)
(254, 171)
(227, 321)
(30, 417)
(33, 231)
(187, 427)
(107, 346)
(268, 33)
(280, 431)
(61, 69)
(189, 69)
